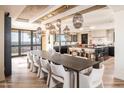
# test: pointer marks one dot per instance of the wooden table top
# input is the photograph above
(70, 62)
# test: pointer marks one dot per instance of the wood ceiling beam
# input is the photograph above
(47, 10)
(67, 13)
(71, 12)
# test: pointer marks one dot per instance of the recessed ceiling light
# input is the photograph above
(50, 15)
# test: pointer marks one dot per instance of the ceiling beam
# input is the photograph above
(47, 10)
(67, 13)
(20, 10)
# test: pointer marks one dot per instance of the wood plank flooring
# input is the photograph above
(23, 78)
(108, 78)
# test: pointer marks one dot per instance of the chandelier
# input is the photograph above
(39, 30)
(77, 20)
(66, 29)
(51, 28)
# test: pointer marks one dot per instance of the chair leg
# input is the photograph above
(28, 64)
(31, 67)
(48, 79)
(42, 75)
(52, 83)
(38, 73)
(101, 85)
(34, 69)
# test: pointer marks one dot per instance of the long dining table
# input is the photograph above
(71, 62)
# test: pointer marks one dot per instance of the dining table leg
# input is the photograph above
(77, 79)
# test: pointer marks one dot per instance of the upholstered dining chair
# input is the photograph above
(45, 70)
(30, 60)
(93, 80)
(59, 76)
(37, 64)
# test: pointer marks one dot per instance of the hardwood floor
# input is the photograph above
(23, 78)
(108, 78)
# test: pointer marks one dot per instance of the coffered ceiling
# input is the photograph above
(42, 14)
(60, 10)
(30, 11)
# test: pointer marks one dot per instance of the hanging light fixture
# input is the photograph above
(58, 23)
(39, 29)
(77, 20)
(51, 28)
(66, 30)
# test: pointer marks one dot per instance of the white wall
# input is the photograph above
(119, 45)
(2, 46)
(110, 35)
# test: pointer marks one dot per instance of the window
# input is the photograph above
(25, 49)
(23, 41)
(36, 40)
(15, 51)
(62, 38)
(25, 38)
(15, 37)
(74, 38)
(36, 47)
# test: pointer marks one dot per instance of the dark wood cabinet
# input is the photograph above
(7, 46)
(111, 51)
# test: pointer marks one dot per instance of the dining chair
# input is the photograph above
(59, 76)
(51, 51)
(35, 59)
(37, 64)
(45, 70)
(30, 60)
(93, 80)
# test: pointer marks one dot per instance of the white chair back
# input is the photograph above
(58, 70)
(45, 64)
(93, 80)
(36, 59)
(96, 75)
(30, 56)
(51, 51)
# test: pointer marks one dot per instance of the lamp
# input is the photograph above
(39, 30)
(66, 30)
(58, 23)
(77, 20)
(38, 35)
(51, 28)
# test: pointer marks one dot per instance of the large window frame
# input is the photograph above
(31, 45)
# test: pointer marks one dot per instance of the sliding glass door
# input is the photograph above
(23, 41)
(15, 43)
